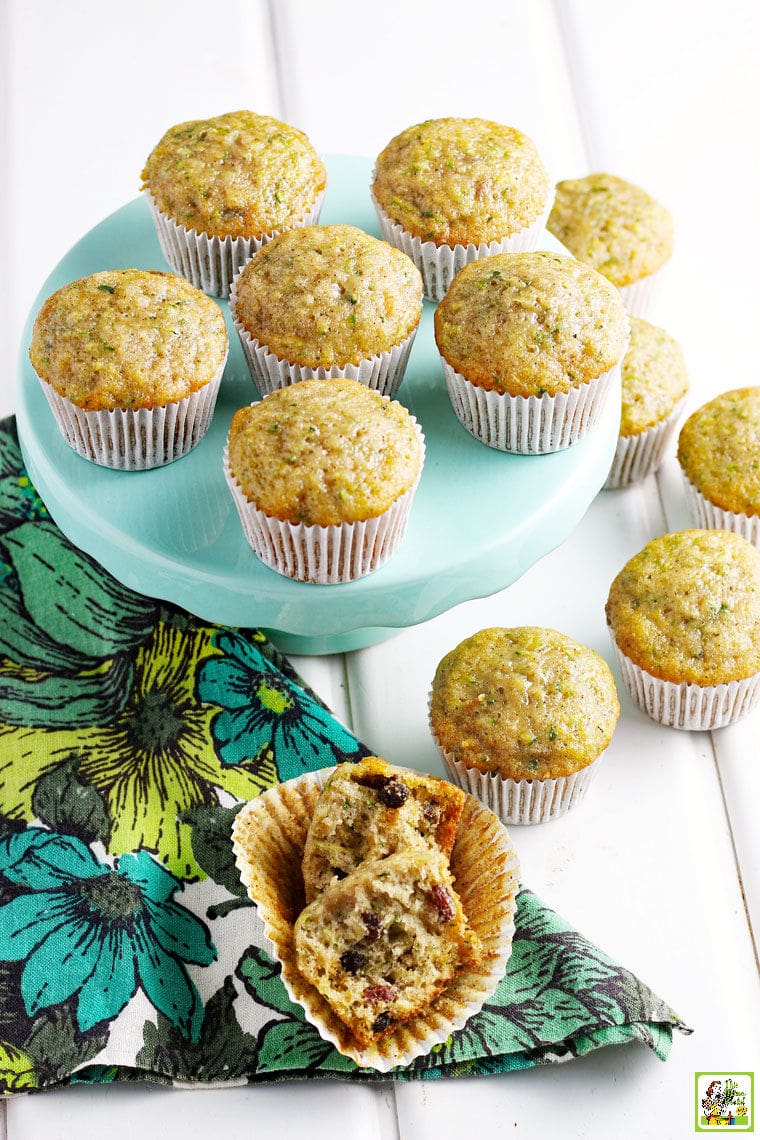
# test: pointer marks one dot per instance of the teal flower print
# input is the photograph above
(99, 932)
(263, 712)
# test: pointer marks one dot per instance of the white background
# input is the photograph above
(660, 864)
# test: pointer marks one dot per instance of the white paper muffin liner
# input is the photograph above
(688, 705)
(136, 439)
(520, 801)
(640, 296)
(529, 425)
(439, 264)
(382, 372)
(326, 555)
(637, 456)
(211, 263)
(268, 839)
(706, 515)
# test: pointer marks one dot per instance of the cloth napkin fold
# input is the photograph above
(130, 732)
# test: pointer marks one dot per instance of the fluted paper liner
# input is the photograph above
(136, 439)
(439, 264)
(637, 456)
(687, 705)
(711, 517)
(529, 425)
(326, 555)
(269, 835)
(382, 372)
(639, 297)
(520, 801)
(211, 263)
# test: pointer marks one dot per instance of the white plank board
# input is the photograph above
(130, 1112)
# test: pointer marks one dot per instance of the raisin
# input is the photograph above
(380, 992)
(374, 925)
(430, 810)
(394, 793)
(382, 1022)
(352, 961)
(443, 903)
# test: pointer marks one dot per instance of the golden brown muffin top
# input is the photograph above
(654, 378)
(524, 703)
(455, 181)
(613, 225)
(719, 450)
(530, 323)
(324, 452)
(687, 607)
(328, 295)
(128, 338)
(239, 174)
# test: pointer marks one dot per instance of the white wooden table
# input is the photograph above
(660, 864)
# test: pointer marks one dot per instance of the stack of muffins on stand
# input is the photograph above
(323, 469)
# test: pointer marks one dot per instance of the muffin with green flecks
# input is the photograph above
(521, 718)
(684, 616)
(220, 188)
(450, 190)
(619, 229)
(327, 301)
(323, 474)
(531, 345)
(654, 385)
(719, 454)
(130, 362)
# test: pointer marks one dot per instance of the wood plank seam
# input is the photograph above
(576, 81)
(737, 862)
(279, 35)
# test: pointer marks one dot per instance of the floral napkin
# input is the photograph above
(130, 732)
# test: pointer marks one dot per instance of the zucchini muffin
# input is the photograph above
(521, 716)
(327, 301)
(448, 191)
(374, 912)
(219, 188)
(684, 616)
(531, 345)
(384, 942)
(323, 474)
(130, 362)
(655, 383)
(617, 228)
(719, 453)
(372, 809)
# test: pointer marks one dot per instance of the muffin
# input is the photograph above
(654, 385)
(617, 228)
(719, 453)
(327, 301)
(448, 191)
(370, 810)
(323, 474)
(521, 718)
(378, 975)
(531, 345)
(219, 188)
(684, 616)
(268, 840)
(130, 362)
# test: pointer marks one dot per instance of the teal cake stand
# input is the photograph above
(480, 519)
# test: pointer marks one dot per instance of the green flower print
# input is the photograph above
(263, 712)
(101, 933)
(152, 762)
